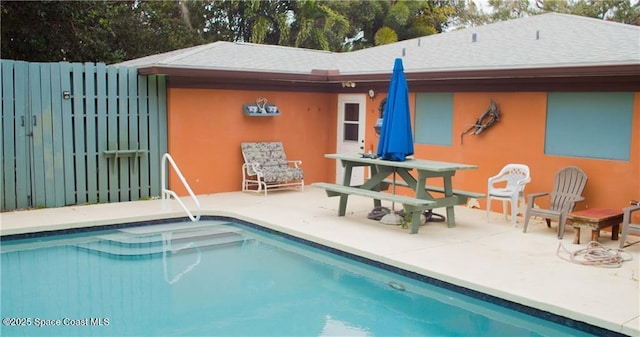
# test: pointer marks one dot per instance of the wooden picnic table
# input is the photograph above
(424, 194)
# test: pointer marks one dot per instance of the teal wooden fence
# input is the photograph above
(76, 133)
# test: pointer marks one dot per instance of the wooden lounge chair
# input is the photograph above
(266, 168)
(569, 184)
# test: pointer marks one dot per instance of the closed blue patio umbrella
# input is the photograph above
(396, 139)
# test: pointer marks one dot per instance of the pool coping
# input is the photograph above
(627, 328)
(441, 280)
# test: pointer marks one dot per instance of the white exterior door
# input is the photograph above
(351, 124)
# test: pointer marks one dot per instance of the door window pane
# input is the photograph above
(350, 132)
(351, 112)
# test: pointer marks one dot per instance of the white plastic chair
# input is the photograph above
(516, 177)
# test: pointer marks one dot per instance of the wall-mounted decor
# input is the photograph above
(381, 109)
(260, 108)
(485, 120)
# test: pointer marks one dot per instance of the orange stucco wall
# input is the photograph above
(519, 138)
(207, 126)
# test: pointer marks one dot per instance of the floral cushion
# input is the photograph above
(272, 161)
(282, 173)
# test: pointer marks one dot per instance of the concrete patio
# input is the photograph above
(489, 257)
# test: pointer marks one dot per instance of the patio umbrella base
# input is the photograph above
(392, 218)
(378, 212)
(396, 218)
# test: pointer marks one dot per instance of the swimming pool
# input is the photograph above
(221, 277)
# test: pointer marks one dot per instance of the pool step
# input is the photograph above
(177, 226)
(146, 242)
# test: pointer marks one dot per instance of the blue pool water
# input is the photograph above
(216, 278)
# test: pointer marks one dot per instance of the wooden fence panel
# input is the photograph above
(7, 131)
(45, 126)
(75, 133)
(79, 133)
(102, 131)
(3, 108)
(35, 121)
(57, 137)
(112, 129)
(154, 130)
(123, 137)
(133, 133)
(91, 141)
(143, 113)
(22, 131)
(6, 123)
(67, 134)
(158, 125)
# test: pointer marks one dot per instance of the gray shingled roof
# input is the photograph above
(242, 57)
(541, 41)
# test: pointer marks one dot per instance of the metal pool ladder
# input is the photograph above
(167, 247)
(167, 194)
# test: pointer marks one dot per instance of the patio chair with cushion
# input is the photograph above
(508, 185)
(266, 168)
(567, 191)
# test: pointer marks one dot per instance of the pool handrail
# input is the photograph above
(167, 193)
(167, 247)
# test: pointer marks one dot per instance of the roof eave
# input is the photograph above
(314, 76)
(615, 77)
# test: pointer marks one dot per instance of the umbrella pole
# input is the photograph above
(393, 190)
(392, 218)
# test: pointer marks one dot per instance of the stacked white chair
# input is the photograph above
(508, 185)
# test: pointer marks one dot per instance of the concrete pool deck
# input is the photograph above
(489, 257)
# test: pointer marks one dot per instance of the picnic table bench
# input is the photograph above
(411, 205)
(463, 196)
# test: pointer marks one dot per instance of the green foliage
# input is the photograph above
(398, 16)
(505, 10)
(385, 35)
(365, 18)
(97, 31)
(317, 26)
(616, 10)
(411, 19)
(406, 220)
(111, 31)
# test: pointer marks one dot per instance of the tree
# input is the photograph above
(112, 31)
(506, 10)
(472, 16)
(161, 26)
(365, 18)
(317, 26)
(623, 11)
(615, 10)
(385, 35)
(265, 22)
(98, 31)
(57, 30)
(411, 19)
(437, 15)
